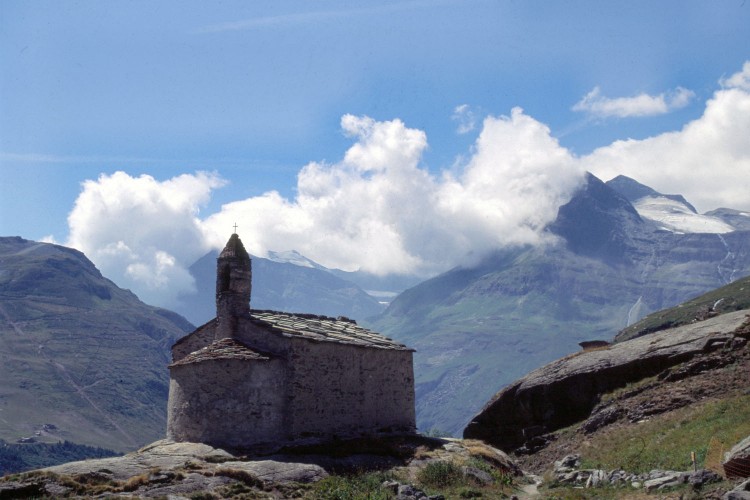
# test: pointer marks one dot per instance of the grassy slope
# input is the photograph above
(732, 297)
(666, 442)
(78, 352)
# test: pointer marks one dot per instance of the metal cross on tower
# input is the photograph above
(235, 228)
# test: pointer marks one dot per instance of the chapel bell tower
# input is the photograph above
(233, 285)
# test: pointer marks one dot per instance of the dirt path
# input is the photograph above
(528, 491)
(15, 327)
(81, 392)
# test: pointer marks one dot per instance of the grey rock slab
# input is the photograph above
(737, 460)
(568, 463)
(596, 478)
(163, 455)
(566, 391)
(736, 495)
(192, 483)
(666, 481)
(277, 472)
(703, 476)
(480, 477)
(197, 450)
(453, 448)
(121, 468)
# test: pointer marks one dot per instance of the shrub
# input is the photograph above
(440, 474)
(357, 487)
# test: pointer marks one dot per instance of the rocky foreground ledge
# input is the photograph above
(190, 470)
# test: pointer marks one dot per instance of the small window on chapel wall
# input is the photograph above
(224, 278)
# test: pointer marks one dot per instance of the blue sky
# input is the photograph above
(256, 91)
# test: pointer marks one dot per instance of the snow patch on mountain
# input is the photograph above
(293, 257)
(676, 217)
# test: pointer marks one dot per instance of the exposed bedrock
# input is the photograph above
(565, 391)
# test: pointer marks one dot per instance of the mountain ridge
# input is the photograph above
(82, 360)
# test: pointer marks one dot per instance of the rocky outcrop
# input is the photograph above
(737, 460)
(565, 392)
(567, 472)
(162, 469)
(167, 469)
(741, 492)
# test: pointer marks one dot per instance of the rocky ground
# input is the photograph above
(191, 470)
(714, 376)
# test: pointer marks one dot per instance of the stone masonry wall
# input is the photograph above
(261, 338)
(228, 403)
(196, 340)
(345, 391)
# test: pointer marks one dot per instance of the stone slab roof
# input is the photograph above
(221, 349)
(322, 328)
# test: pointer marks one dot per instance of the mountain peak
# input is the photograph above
(630, 188)
(634, 191)
(292, 257)
(597, 221)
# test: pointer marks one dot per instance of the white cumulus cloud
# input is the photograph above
(739, 80)
(511, 187)
(143, 233)
(595, 104)
(379, 210)
(707, 161)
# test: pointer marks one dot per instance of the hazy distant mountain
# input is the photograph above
(382, 288)
(284, 282)
(477, 329)
(80, 359)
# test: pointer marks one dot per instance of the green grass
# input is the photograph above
(665, 442)
(439, 477)
(440, 474)
(356, 487)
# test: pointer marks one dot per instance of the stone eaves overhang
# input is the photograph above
(323, 329)
(219, 350)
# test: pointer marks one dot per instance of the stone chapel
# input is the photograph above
(260, 380)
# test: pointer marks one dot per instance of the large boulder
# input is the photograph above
(737, 460)
(565, 391)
